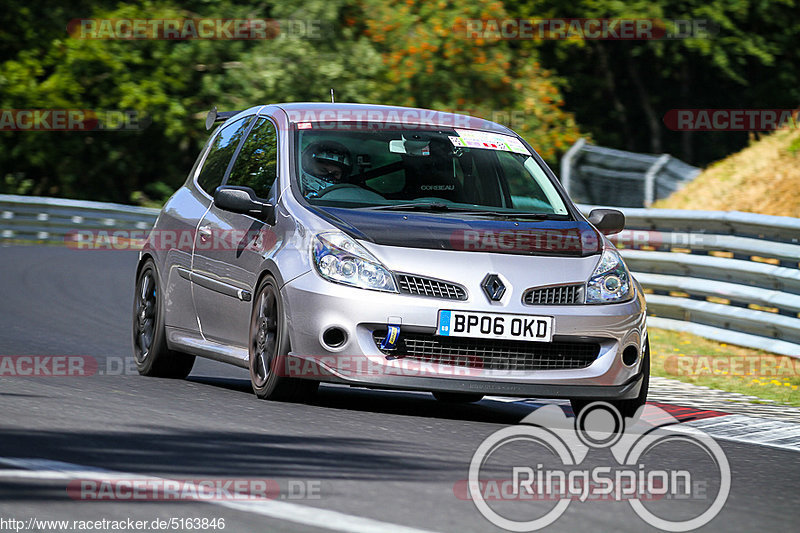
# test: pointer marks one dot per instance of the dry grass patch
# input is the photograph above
(762, 178)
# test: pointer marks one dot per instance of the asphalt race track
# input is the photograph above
(353, 460)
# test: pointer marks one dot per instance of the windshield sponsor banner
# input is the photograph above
(183, 29)
(491, 141)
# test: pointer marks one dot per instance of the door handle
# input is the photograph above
(205, 232)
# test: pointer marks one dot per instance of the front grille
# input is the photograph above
(556, 295)
(434, 288)
(490, 354)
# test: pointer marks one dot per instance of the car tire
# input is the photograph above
(627, 408)
(269, 346)
(457, 397)
(150, 352)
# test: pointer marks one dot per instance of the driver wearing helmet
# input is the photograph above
(324, 163)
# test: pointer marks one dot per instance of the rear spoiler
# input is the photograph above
(218, 116)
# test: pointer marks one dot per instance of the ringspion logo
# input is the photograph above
(558, 470)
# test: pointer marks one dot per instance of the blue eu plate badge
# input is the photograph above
(444, 322)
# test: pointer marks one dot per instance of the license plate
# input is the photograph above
(495, 326)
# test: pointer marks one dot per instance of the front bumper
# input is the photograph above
(314, 305)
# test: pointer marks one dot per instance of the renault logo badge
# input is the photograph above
(493, 286)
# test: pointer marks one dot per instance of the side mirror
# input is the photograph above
(608, 221)
(244, 200)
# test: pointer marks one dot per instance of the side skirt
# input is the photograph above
(193, 343)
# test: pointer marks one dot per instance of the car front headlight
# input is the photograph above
(340, 259)
(610, 282)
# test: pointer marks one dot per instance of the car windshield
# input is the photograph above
(395, 167)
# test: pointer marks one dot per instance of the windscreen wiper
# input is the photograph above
(535, 216)
(416, 206)
(442, 207)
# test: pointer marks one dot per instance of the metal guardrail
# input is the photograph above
(595, 174)
(53, 220)
(729, 276)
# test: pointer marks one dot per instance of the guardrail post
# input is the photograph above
(566, 164)
(649, 179)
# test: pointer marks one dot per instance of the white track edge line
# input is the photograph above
(290, 512)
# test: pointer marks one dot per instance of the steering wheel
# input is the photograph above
(336, 187)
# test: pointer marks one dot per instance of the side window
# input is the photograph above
(257, 164)
(220, 155)
(517, 177)
(525, 191)
(528, 184)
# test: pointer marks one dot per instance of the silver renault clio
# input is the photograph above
(388, 247)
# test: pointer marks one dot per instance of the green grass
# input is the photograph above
(794, 147)
(700, 361)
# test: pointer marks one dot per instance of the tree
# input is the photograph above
(620, 90)
(433, 63)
